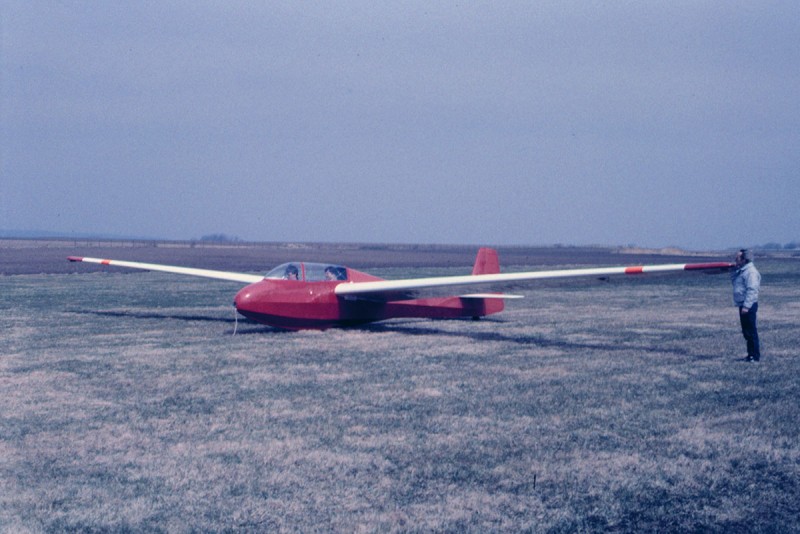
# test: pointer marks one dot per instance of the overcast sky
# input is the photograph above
(673, 123)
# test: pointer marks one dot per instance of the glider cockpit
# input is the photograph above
(308, 272)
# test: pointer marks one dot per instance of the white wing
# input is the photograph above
(205, 273)
(411, 288)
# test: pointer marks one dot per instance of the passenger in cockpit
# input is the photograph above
(334, 273)
(330, 273)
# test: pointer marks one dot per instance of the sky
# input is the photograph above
(656, 124)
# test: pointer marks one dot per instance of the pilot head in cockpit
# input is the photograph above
(291, 273)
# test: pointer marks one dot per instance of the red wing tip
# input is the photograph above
(74, 258)
(708, 266)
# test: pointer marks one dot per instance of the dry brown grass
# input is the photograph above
(126, 404)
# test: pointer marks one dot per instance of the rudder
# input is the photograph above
(486, 262)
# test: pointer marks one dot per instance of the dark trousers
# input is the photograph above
(750, 331)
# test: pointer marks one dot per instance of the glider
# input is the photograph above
(304, 295)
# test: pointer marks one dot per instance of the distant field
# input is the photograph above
(126, 403)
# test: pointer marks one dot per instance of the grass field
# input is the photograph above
(127, 404)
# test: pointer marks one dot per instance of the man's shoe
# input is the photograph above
(747, 359)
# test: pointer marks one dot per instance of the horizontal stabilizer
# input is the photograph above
(491, 296)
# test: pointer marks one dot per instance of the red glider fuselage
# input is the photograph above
(299, 304)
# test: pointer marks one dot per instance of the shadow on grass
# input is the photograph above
(418, 329)
(151, 315)
(243, 326)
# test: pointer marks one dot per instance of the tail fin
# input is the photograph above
(486, 262)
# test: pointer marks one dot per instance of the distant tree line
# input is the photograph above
(220, 238)
(794, 245)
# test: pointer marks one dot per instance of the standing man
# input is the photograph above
(746, 281)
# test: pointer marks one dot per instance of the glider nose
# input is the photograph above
(253, 299)
(243, 299)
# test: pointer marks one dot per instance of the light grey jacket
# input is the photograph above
(746, 282)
